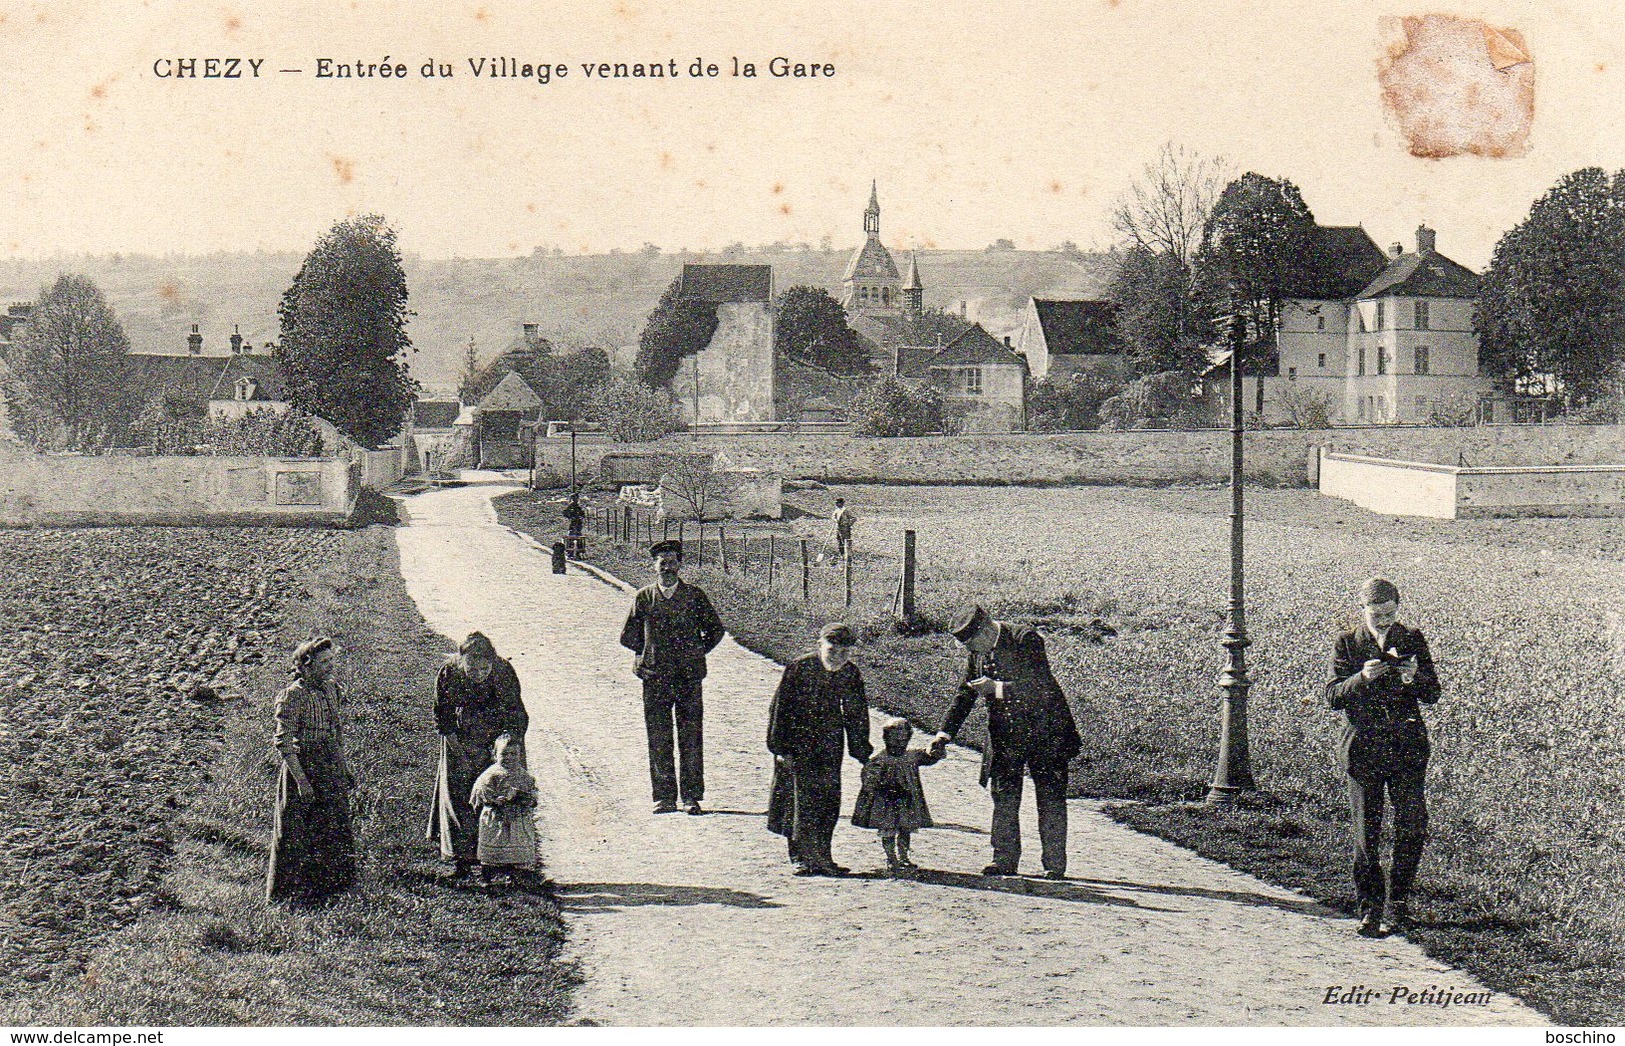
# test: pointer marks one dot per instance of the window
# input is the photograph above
(1320, 323)
(1421, 320)
(1292, 374)
(1380, 413)
(1380, 304)
(885, 295)
(1362, 361)
(1421, 359)
(1382, 360)
(1359, 317)
(1323, 361)
(1362, 406)
(971, 378)
(1422, 408)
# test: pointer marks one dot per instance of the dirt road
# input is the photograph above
(697, 920)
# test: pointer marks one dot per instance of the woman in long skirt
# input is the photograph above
(312, 845)
(476, 700)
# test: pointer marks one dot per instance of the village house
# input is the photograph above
(505, 424)
(199, 380)
(983, 379)
(1061, 337)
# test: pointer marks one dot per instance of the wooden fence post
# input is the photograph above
(772, 554)
(905, 597)
(744, 555)
(722, 548)
(680, 532)
(626, 524)
(806, 572)
(849, 574)
(699, 543)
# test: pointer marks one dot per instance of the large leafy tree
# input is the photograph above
(575, 380)
(344, 344)
(69, 374)
(810, 327)
(1253, 256)
(678, 327)
(1551, 308)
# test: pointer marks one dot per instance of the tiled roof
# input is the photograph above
(1083, 327)
(435, 414)
(976, 347)
(915, 360)
(1342, 259)
(512, 393)
(1427, 275)
(872, 261)
(727, 283)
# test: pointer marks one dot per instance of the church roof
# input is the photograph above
(512, 393)
(1082, 327)
(715, 284)
(1426, 275)
(911, 282)
(872, 261)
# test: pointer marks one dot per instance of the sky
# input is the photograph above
(979, 120)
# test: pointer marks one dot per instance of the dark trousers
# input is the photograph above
(817, 808)
(1049, 783)
(843, 543)
(1405, 792)
(666, 701)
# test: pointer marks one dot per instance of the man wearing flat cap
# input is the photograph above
(819, 712)
(1030, 732)
(670, 629)
(1381, 671)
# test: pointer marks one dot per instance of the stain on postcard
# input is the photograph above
(1457, 86)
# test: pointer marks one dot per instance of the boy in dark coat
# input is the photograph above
(671, 627)
(1380, 671)
(819, 711)
(1030, 731)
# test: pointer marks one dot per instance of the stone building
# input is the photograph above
(1060, 337)
(734, 378)
(982, 378)
(201, 380)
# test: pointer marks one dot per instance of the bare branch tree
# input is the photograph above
(692, 482)
(1164, 209)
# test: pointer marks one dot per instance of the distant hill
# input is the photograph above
(587, 300)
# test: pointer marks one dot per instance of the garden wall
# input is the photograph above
(1408, 488)
(64, 490)
(1282, 456)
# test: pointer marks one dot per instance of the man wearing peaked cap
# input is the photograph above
(670, 628)
(1030, 732)
(1380, 672)
(819, 713)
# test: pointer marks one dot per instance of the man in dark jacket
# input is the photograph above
(671, 627)
(1030, 731)
(819, 712)
(1380, 672)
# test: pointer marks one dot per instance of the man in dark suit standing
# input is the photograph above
(819, 713)
(671, 627)
(1380, 671)
(1030, 731)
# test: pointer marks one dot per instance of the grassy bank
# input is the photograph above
(1524, 882)
(402, 948)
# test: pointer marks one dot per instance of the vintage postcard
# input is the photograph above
(811, 514)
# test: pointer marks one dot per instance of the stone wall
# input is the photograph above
(1407, 488)
(1281, 456)
(735, 372)
(66, 490)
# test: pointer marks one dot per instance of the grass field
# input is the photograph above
(138, 820)
(1524, 882)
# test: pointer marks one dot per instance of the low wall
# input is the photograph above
(52, 490)
(1408, 488)
(1280, 456)
(380, 468)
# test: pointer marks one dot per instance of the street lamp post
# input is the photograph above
(572, 461)
(1234, 772)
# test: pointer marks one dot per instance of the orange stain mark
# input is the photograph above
(345, 169)
(1055, 187)
(170, 293)
(99, 91)
(233, 23)
(1602, 67)
(778, 187)
(784, 208)
(666, 161)
(530, 208)
(482, 15)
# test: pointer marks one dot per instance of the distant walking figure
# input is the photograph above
(671, 627)
(574, 516)
(1030, 731)
(843, 520)
(819, 713)
(1380, 671)
(312, 845)
(892, 800)
(476, 700)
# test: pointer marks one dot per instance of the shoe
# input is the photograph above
(833, 871)
(665, 808)
(462, 871)
(906, 863)
(1399, 918)
(694, 809)
(1370, 924)
(998, 869)
(798, 868)
(1051, 873)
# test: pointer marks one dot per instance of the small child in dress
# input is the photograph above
(891, 799)
(505, 796)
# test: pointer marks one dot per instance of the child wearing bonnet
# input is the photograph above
(892, 800)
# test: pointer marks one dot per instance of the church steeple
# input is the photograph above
(913, 292)
(871, 216)
(870, 285)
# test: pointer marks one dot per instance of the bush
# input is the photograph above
(1306, 408)
(1164, 400)
(892, 408)
(1068, 404)
(632, 412)
(290, 434)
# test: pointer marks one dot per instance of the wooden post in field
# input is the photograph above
(905, 599)
(680, 532)
(806, 572)
(744, 555)
(665, 530)
(848, 575)
(772, 554)
(722, 548)
(699, 544)
(626, 523)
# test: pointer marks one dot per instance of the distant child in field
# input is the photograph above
(891, 799)
(505, 796)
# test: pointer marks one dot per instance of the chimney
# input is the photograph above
(1396, 250)
(530, 332)
(1425, 239)
(236, 341)
(194, 342)
(961, 308)
(1007, 341)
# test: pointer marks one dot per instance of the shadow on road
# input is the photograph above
(1045, 888)
(611, 897)
(1256, 900)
